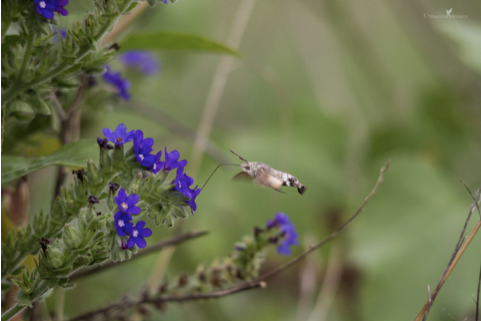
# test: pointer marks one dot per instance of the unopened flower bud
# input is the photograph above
(72, 237)
(55, 256)
(93, 174)
(135, 186)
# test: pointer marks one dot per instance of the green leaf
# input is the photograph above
(173, 41)
(72, 155)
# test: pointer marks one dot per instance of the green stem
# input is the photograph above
(16, 90)
(26, 58)
(41, 289)
(12, 312)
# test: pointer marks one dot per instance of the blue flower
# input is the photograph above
(120, 136)
(127, 203)
(279, 220)
(60, 9)
(114, 79)
(287, 232)
(193, 194)
(140, 142)
(144, 61)
(122, 223)
(47, 7)
(182, 183)
(138, 234)
(171, 162)
(144, 157)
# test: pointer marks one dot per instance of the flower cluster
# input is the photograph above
(46, 8)
(123, 218)
(287, 232)
(154, 162)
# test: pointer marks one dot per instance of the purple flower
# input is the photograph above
(193, 194)
(279, 220)
(157, 166)
(165, 1)
(114, 79)
(47, 7)
(60, 9)
(138, 234)
(122, 223)
(127, 203)
(171, 162)
(119, 136)
(140, 142)
(288, 233)
(182, 182)
(144, 157)
(144, 61)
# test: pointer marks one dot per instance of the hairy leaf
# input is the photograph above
(73, 155)
(174, 41)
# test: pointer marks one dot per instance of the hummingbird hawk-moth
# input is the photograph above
(265, 175)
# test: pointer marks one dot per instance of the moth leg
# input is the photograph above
(279, 190)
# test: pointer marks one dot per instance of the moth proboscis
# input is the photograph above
(267, 176)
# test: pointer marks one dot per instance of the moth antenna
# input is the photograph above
(242, 158)
(215, 170)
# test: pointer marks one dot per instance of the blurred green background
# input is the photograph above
(328, 91)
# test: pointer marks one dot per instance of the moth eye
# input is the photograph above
(248, 168)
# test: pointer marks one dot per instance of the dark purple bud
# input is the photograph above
(99, 213)
(80, 174)
(273, 239)
(93, 200)
(113, 186)
(103, 143)
(257, 231)
(123, 246)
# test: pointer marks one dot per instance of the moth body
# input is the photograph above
(265, 175)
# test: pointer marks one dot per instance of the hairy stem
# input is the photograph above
(26, 58)
(13, 311)
(17, 308)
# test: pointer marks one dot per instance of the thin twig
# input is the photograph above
(258, 282)
(477, 297)
(69, 126)
(219, 81)
(125, 22)
(458, 251)
(151, 249)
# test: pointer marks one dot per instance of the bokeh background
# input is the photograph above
(328, 91)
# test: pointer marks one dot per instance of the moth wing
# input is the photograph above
(243, 176)
(265, 178)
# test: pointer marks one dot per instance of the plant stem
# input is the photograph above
(16, 90)
(458, 256)
(26, 58)
(12, 312)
